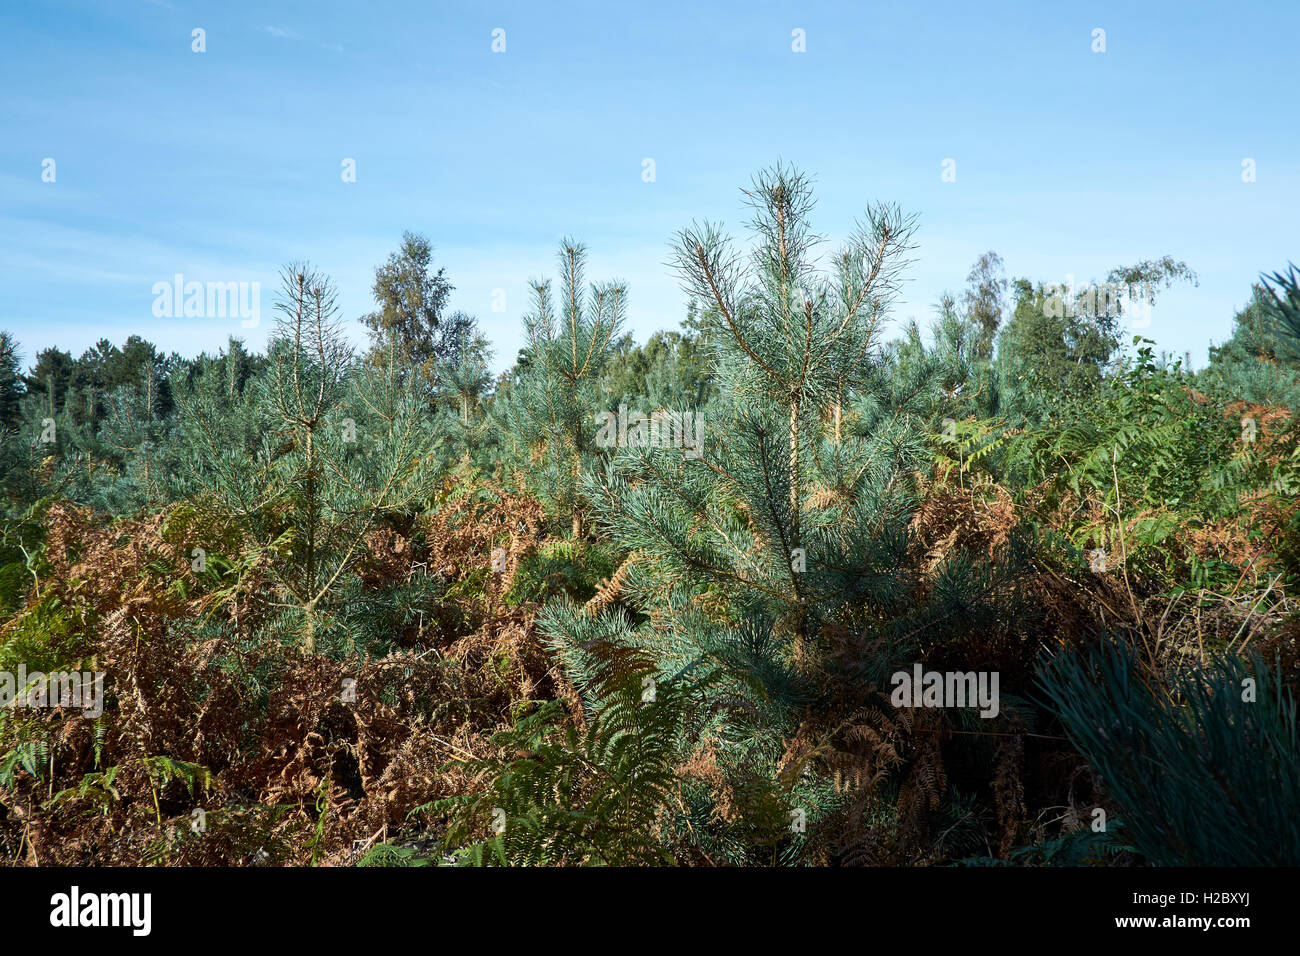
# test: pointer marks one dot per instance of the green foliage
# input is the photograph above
(44, 637)
(411, 318)
(11, 384)
(1083, 846)
(671, 371)
(341, 448)
(1044, 347)
(554, 396)
(1205, 766)
(568, 795)
(688, 664)
(466, 378)
(385, 854)
(1142, 459)
(791, 525)
(1063, 340)
(1284, 305)
(570, 568)
(983, 300)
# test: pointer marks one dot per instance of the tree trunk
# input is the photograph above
(309, 631)
(309, 635)
(796, 524)
(794, 474)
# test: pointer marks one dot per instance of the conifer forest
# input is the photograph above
(805, 573)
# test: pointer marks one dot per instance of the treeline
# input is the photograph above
(380, 605)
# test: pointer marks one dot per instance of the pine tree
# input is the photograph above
(11, 382)
(793, 344)
(137, 437)
(340, 448)
(769, 563)
(1220, 742)
(1283, 303)
(466, 376)
(553, 402)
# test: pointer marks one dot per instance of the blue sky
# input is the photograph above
(225, 164)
